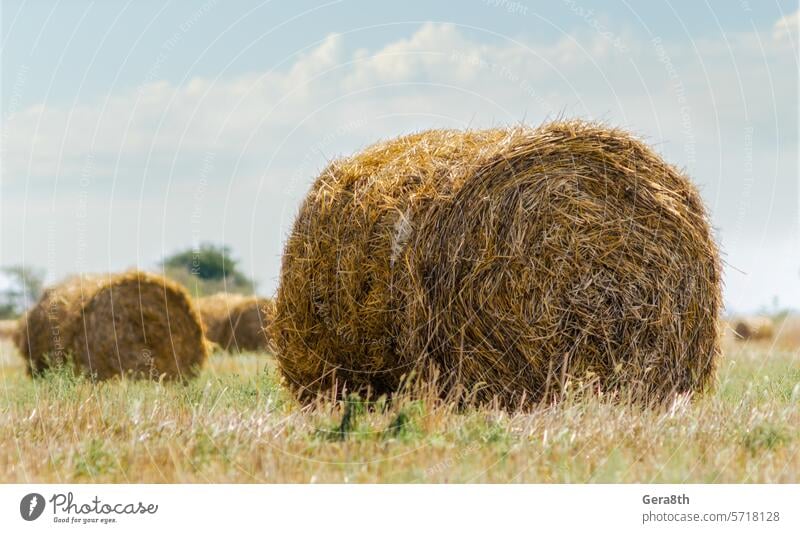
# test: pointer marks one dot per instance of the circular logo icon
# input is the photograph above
(31, 506)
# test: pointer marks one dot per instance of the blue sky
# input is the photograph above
(132, 129)
(253, 36)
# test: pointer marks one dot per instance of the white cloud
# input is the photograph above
(727, 111)
(499, 82)
(788, 26)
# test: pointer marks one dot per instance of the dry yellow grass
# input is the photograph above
(235, 423)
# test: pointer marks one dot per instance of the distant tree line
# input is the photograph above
(204, 270)
(25, 285)
(208, 269)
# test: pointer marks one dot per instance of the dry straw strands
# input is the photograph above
(236, 322)
(510, 262)
(753, 328)
(136, 324)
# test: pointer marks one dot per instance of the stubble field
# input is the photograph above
(237, 423)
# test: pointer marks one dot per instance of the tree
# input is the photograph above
(24, 289)
(207, 269)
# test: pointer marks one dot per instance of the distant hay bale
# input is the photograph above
(788, 332)
(214, 311)
(134, 324)
(236, 322)
(8, 329)
(509, 261)
(753, 328)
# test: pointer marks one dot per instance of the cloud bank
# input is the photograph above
(154, 167)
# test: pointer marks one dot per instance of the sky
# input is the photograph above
(133, 129)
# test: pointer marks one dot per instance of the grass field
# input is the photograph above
(236, 423)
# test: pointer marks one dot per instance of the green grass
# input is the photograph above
(237, 423)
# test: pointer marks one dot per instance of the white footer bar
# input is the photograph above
(388, 508)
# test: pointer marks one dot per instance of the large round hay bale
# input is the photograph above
(236, 322)
(134, 324)
(753, 328)
(510, 261)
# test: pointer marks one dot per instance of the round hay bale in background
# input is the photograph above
(787, 332)
(510, 261)
(135, 324)
(214, 312)
(236, 322)
(753, 328)
(8, 329)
